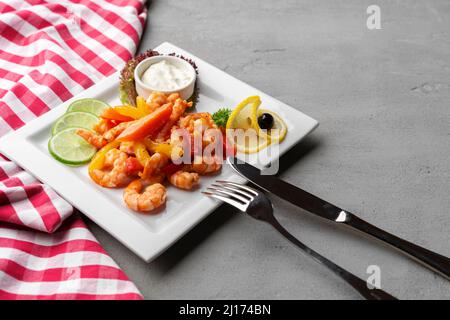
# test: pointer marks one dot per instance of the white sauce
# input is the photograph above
(165, 76)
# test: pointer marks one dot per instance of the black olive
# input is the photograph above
(265, 121)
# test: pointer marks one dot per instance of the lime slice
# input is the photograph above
(279, 129)
(90, 105)
(74, 119)
(69, 148)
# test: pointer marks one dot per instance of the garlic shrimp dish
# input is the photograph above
(154, 139)
(145, 148)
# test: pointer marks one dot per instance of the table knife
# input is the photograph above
(326, 210)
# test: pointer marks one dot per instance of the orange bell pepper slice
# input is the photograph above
(129, 111)
(147, 125)
(113, 114)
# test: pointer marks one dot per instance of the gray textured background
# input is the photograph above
(382, 148)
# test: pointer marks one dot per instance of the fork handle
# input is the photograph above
(357, 283)
(429, 259)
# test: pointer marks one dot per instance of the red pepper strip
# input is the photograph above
(229, 149)
(171, 168)
(133, 166)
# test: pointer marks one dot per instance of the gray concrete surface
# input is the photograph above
(382, 149)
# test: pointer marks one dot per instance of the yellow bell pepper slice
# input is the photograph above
(163, 148)
(142, 105)
(141, 153)
(98, 160)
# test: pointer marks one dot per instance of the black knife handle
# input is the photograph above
(429, 259)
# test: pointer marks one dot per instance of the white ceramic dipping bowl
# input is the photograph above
(144, 90)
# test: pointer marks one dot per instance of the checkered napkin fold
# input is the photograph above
(49, 51)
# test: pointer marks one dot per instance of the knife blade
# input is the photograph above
(288, 192)
(324, 209)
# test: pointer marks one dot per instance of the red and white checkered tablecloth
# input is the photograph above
(51, 50)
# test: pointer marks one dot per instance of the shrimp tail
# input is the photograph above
(184, 180)
(92, 138)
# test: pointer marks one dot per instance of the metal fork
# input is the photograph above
(258, 206)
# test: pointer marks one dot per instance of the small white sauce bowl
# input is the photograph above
(144, 90)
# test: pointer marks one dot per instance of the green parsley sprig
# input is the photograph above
(221, 116)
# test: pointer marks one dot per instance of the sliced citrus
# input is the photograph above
(244, 115)
(252, 145)
(69, 148)
(90, 105)
(241, 126)
(247, 140)
(74, 119)
(279, 128)
(251, 138)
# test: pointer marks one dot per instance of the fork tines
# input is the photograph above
(232, 193)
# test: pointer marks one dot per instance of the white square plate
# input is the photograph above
(146, 235)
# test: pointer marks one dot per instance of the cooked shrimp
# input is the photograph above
(114, 172)
(92, 138)
(157, 99)
(102, 126)
(184, 180)
(197, 125)
(144, 195)
(127, 147)
(205, 165)
(191, 121)
(179, 106)
(113, 133)
(156, 162)
(98, 140)
(173, 97)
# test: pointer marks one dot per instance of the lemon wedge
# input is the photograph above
(244, 115)
(240, 121)
(278, 131)
(247, 141)
(243, 129)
